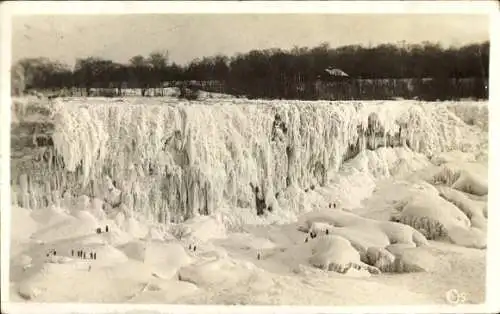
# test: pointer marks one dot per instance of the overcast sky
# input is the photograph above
(186, 37)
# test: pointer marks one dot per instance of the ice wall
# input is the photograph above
(171, 160)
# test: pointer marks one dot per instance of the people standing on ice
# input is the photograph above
(84, 255)
(258, 256)
(107, 228)
(72, 252)
(98, 230)
(194, 248)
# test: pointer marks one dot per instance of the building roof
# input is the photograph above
(336, 72)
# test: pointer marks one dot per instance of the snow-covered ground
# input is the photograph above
(401, 219)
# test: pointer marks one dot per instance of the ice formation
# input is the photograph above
(336, 253)
(201, 196)
(172, 162)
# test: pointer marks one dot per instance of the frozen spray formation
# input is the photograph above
(172, 161)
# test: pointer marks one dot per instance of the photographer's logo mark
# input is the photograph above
(455, 297)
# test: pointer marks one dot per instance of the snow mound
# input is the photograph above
(469, 237)
(115, 236)
(247, 241)
(166, 292)
(109, 255)
(70, 227)
(452, 157)
(434, 207)
(464, 176)
(362, 232)
(202, 228)
(87, 218)
(50, 216)
(134, 228)
(437, 218)
(23, 225)
(403, 258)
(93, 240)
(164, 258)
(336, 253)
(225, 271)
(413, 260)
(472, 209)
(472, 182)
(85, 279)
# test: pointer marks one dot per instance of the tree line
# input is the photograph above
(275, 70)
